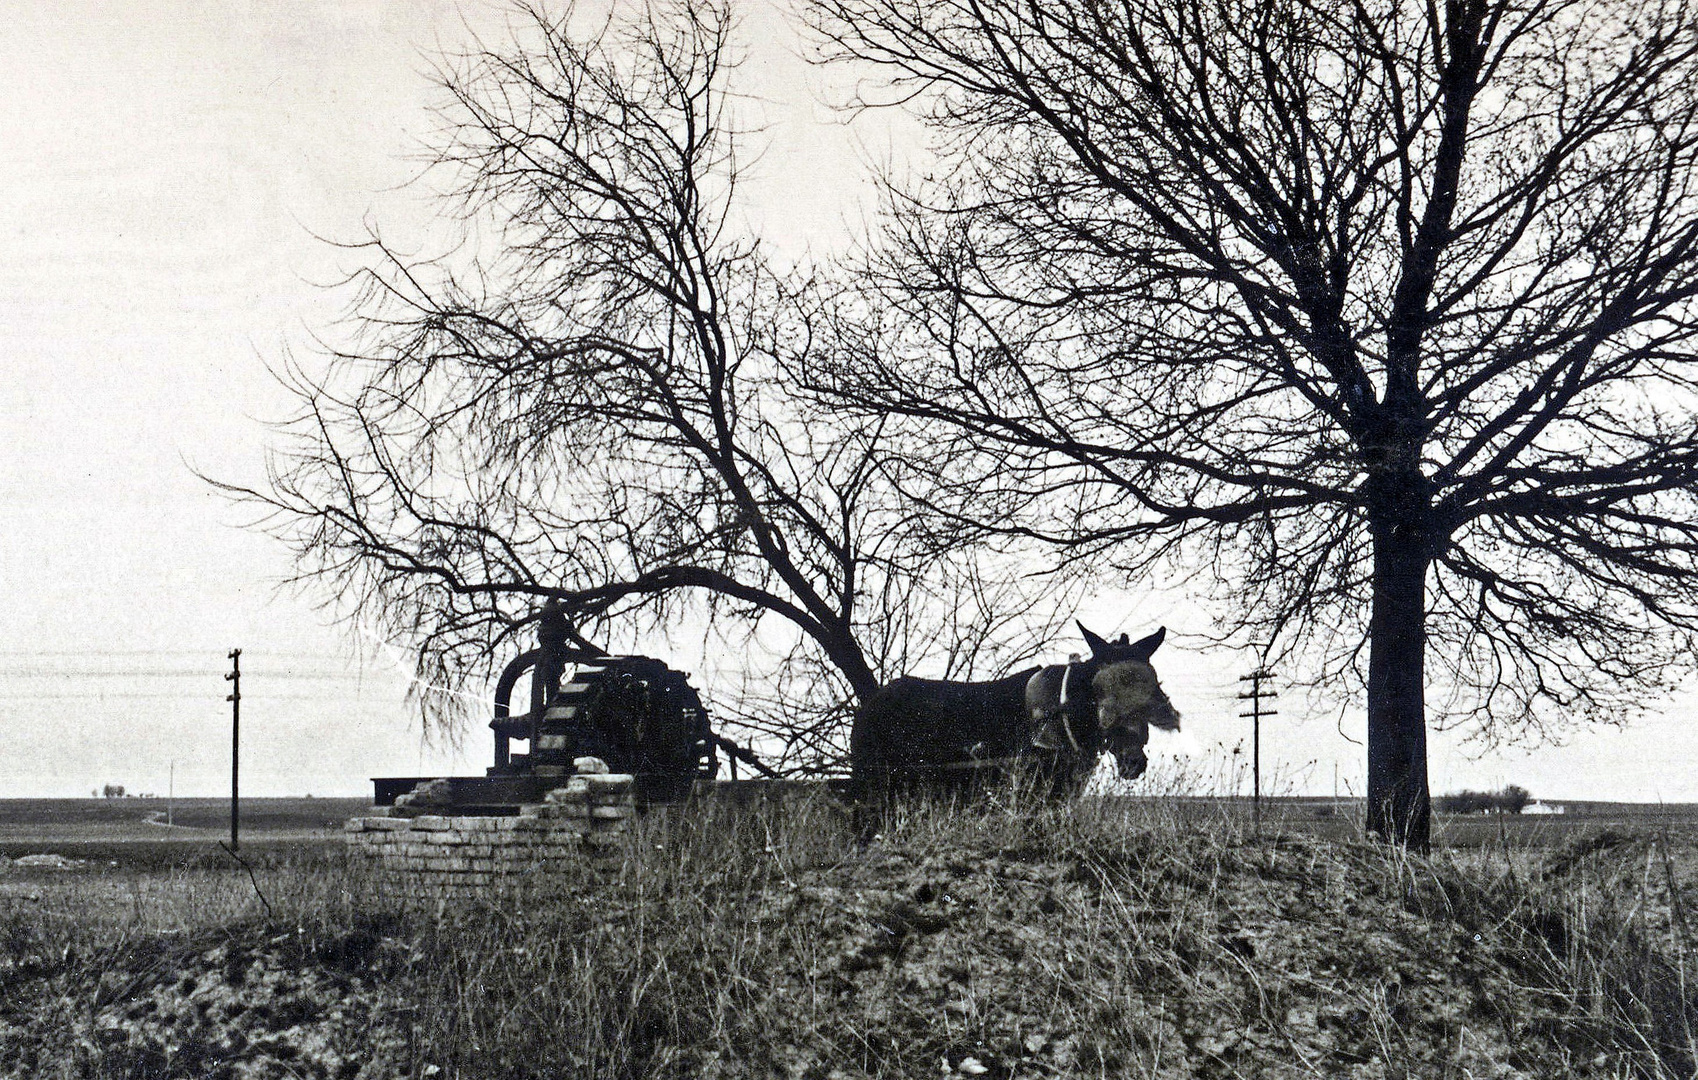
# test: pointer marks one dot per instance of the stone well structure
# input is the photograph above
(432, 856)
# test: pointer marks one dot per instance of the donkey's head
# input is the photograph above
(1129, 698)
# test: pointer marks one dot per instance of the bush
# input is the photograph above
(1513, 800)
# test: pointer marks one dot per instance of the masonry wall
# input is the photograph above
(435, 856)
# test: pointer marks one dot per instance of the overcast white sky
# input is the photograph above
(167, 166)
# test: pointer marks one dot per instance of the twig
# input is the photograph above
(251, 878)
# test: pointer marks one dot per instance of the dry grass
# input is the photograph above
(1127, 939)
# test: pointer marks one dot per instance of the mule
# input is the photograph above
(1052, 721)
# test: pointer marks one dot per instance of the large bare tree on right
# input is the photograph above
(1381, 311)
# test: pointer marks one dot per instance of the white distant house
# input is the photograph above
(1544, 808)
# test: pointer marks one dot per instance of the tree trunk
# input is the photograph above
(1398, 807)
(844, 653)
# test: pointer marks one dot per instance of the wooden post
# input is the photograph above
(234, 678)
(1255, 697)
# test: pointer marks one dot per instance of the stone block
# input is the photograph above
(589, 766)
(431, 823)
(610, 813)
(389, 824)
(605, 783)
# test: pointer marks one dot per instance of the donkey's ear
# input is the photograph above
(1099, 648)
(1143, 647)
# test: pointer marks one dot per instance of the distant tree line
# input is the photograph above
(1510, 800)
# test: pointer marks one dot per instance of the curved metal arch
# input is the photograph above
(505, 732)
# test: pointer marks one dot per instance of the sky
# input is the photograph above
(175, 171)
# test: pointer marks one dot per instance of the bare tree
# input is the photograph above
(1379, 313)
(592, 400)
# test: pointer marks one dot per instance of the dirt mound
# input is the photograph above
(253, 1007)
(42, 862)
(1274, 964)
(1020, 954)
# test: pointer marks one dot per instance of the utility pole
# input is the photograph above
(1256, 696)
(234, 678)
(171, 795)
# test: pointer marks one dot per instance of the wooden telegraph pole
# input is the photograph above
(234, 678)
(1256, 696)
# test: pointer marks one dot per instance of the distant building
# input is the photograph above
(1544, 808)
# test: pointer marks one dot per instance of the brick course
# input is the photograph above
(440, 857)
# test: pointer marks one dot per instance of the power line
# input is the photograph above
(329, 676)
(99, 695)
(202, 653)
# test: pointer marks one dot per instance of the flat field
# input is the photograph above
(1342, 819)
(135, 833)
